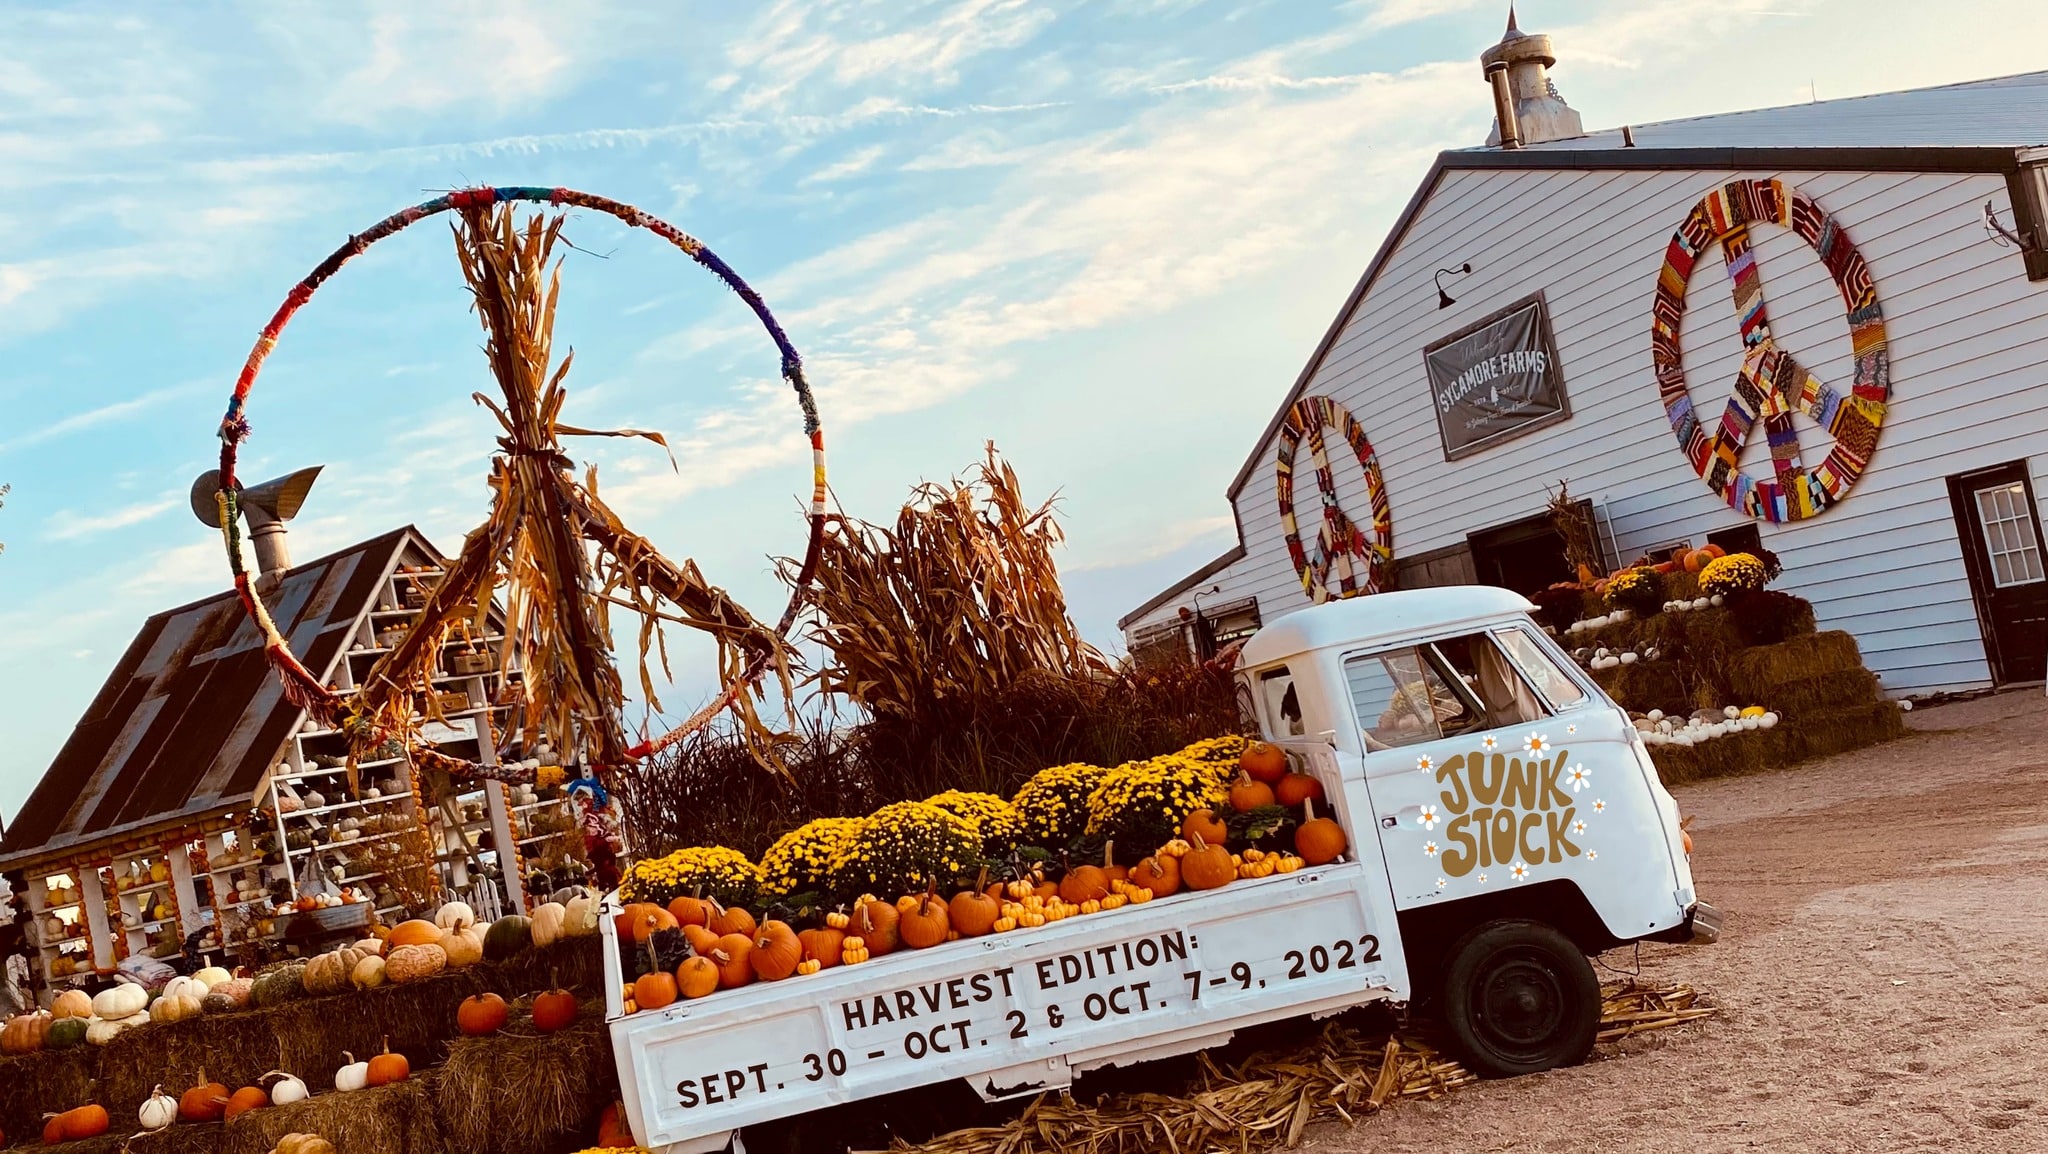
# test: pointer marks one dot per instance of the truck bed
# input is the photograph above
(1012, 1013)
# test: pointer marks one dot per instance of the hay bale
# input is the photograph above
(1737, 753)
(1645, 685)
(49, 1081)
(519, 1092)
(1807, 695)
(1827, 732)
(1763, 668)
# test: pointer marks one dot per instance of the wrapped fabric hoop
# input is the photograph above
(301, 686)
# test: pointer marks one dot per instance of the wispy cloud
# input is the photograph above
(70, 526)
(103, 415)
(835, 45)
(860, 161)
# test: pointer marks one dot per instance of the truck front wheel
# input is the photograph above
(1520, 998)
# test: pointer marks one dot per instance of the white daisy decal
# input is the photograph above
(1578, 778)
(1429, 849)
(1599, 806)
(1569, 729)
(1424, 764)
(1441, 883)
(1489, 744)
(1482, 879)
(1428, 817)
(1519, 872)
(1592, 855)
(1579, 827)
(1537, 743)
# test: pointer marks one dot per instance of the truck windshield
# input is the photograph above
(1456, 685)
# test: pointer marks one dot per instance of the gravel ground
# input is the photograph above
(1881, 973)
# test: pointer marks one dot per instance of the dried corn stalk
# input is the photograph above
(551, 550)
(960, 600)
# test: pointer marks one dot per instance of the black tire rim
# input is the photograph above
(1520, 1002)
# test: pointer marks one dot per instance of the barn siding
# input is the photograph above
(1969, 347)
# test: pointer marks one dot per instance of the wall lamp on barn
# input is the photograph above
(1443, 299)
(2027, 186)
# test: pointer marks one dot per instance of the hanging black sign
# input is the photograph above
(1496, 379)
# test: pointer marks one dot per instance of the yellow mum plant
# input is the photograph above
(800, 861)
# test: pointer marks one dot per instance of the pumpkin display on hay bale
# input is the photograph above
(518, 1092)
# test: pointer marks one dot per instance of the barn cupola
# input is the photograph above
(1526, 106)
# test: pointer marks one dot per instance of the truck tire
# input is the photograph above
(1520, 998)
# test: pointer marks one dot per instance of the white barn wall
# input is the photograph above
(1969, 345)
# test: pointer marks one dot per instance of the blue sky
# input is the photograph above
(1104, 234)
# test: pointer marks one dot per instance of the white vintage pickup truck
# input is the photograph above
(1505, 823)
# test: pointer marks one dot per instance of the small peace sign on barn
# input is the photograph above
(1771, 384)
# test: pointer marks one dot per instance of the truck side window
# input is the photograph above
(1541, 670)
(1481, 667)
(1283, 706)
(1402, 698)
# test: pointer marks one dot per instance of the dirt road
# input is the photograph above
(1883, 978)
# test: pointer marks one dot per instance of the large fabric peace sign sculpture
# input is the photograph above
(1770, 384)
(560, 554)
(1340, 542)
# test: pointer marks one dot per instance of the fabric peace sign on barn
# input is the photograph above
(1361, 566)
(1771, 384)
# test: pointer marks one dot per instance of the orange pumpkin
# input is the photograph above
(553, 1010)
(1085, 883)
(1263, 762)
(1296, 788)
(388, 1067)
(1318, 839)
(973, 913)
(203, 1102)
(612, 1131)
(655, 990)
(1714, 549)
(1159, 873)
(53, 1129)
(1206, 866)
(823, 946)
(730, 956)
(1247, 795)
(417, 932)
(1697, 560)
(84, 1122)
(689, 911)
(731, 920)
(701, 938)
(776, 951)
(481, 1014)
(244, 1100)
(926, 924)
(1046, 891)
(1204, 824)
(641, 919)
(876, 924)
(697, 976)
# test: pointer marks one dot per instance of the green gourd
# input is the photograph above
(506, 937)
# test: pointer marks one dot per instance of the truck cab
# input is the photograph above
(1520, 822)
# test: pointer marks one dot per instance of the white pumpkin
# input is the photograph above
(100, 1031)
(370, 946)
(182, 986)
(353, 1075)
(368, 974)
(120, 1001)
(455, 916)
(581, 919)
(158, 1110)
(548, 919)
(287, 1089)
(212, 976)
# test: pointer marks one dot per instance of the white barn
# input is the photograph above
(1893, 250)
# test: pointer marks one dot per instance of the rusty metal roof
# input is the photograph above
(192, 718)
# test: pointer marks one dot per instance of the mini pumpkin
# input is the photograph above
(352, 1075)
(203, 1102)
(388, 1067)
(157, 1111)
(655, 990)
(244, 1100)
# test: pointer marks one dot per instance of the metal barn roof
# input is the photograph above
(193, 717)
(2007, 112)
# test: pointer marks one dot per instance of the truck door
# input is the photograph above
(1484, 764)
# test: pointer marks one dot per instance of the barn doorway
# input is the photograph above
(1525, 556)
(2004, 555)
